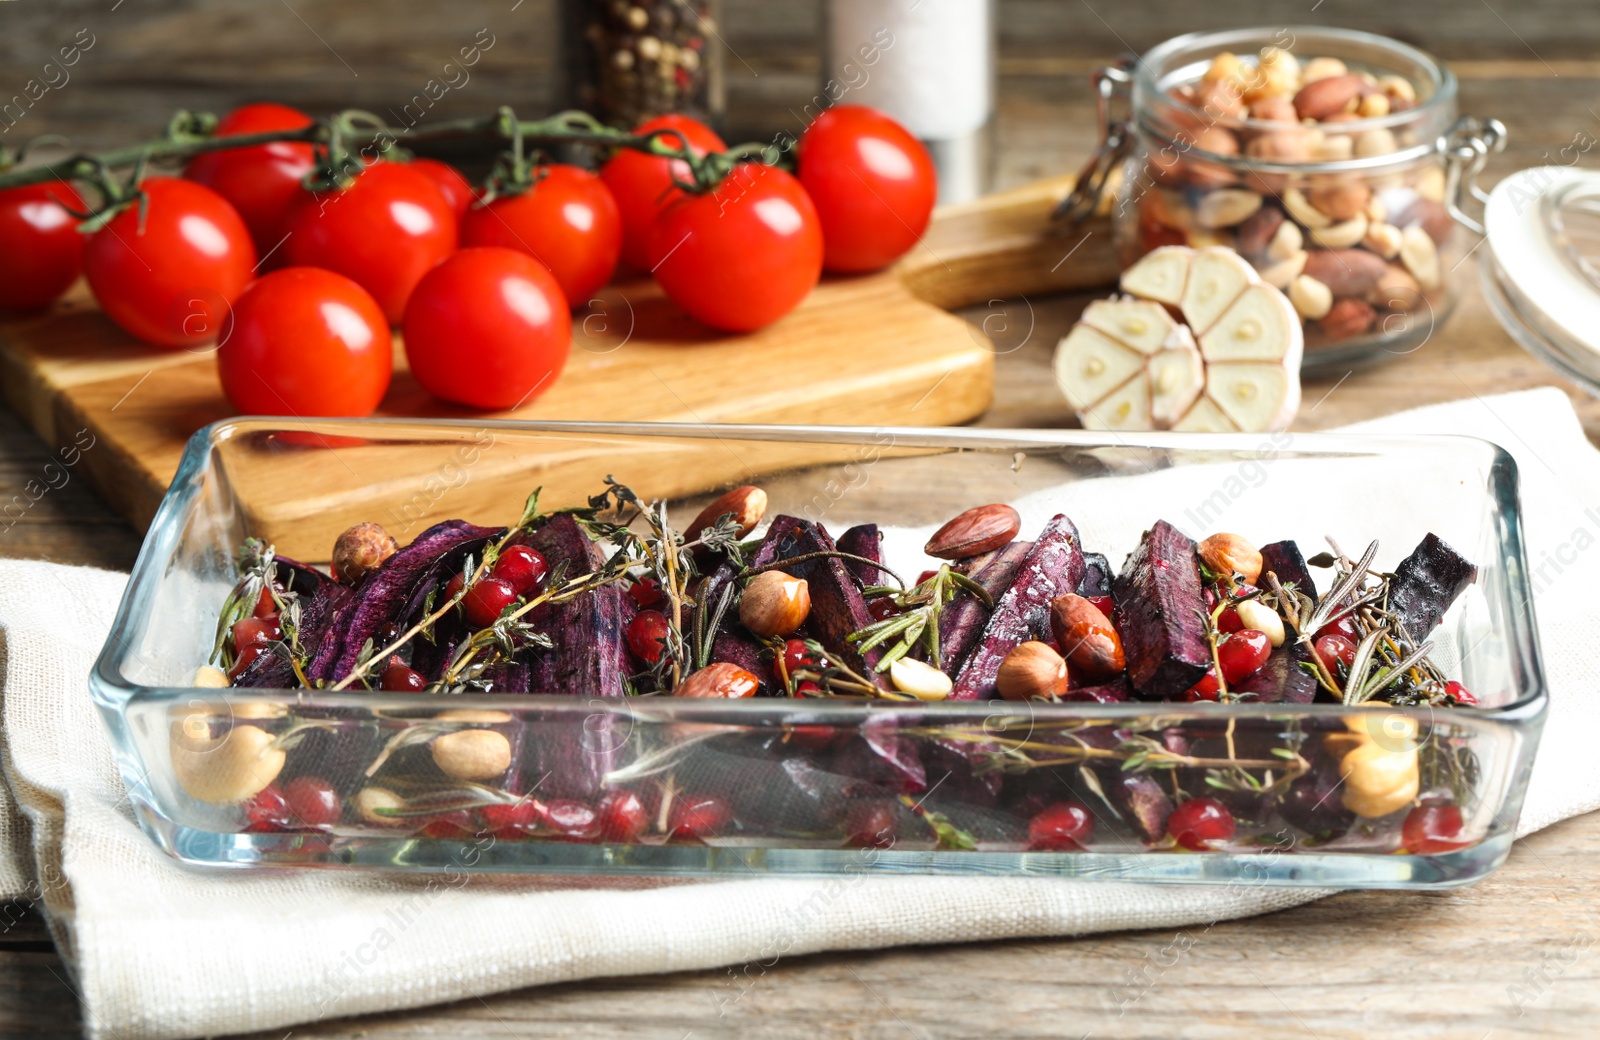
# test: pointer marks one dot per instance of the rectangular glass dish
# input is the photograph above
(803, 784)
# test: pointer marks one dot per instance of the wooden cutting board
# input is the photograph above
(877, 350)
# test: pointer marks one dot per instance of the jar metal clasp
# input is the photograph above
(1111, 83)
(1466, 148)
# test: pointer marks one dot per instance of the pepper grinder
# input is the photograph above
(931, 65)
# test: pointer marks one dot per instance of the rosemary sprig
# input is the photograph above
(922, 608)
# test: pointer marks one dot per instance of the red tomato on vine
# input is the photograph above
(41, 251)
(306, 342)
(449, 181)
(568, 221)
(262, 182)
(488, 328)
(873, 184)
(385, 231)
(741, 256)
(642, 184)
(169, 270)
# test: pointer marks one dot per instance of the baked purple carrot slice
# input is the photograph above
(1159, 613)
(864, 540)
(962, 620)
(1426, 583)
(1286, 561)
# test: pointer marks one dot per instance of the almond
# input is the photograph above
(1396, 290)
(1328, 96)
(1032, 671)
(1256, 233)
(1086, 636)
(1348, 319)
(1347, 272)
(719, 680)
(774, 604)
(978, 530)
(1225, 553)
(472, 754)
(746, 505)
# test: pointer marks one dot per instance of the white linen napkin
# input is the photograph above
(159, 950)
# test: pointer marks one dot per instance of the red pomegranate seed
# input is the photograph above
(514, 821)
(646, 592)
(1242, 653)
(1200, 821)
(1461, 694)
(402, 679)
(245, 656)
(256, 631)
(1432, 828)
(1206, 689)
(1062, 827)
(647, 635)
(623, 819)
(871, 825)
(1104, 603)
(486, 600)
(1228, 620)
(458, 824)
(265, 604)
(522, 568)
(1334, 649)
(312, 802)
(571, 819)
(267, 812)
(698, 817)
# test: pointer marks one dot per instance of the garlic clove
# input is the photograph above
(1260, 325)
(1256, 396)
(1160, 275)
(1216, 278)
(1177, 376)
(1089, 365)
(1125, 408)
(1205, 417)
(1140, 324)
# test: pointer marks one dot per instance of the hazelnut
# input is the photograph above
(1032, 671)
(1086, 636)
(1396, 290)
(1380, 777)
(1340, 200)
(231, 769)
(1225, 553)
(774, 604)
(719, 680)
(1380, 141)
(920, 679)
(1373, 106)
(472, 754)
(360, 549)
(1277, 109)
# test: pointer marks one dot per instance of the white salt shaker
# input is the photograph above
(928, 63)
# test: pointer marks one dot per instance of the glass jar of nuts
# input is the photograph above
(626, 61)
(1328, 158)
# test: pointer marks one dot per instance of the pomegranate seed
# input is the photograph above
(796, 657)
(881, 608)
(312, 801)
(267, 812)
(697, 818)
(1242, 653)
(242, 661)
(1200, 821)
(1461, 694)
(1228, 621)
(646, 592)
(256, 631)
(486, 600)
(1062, 827)
(924, 576)
(1206, 689)
(265, 604)
(453, 587)
(458, 824)
(1432, 828)
(1334, 649)
(871, 825)
(807, 688)
(522, 568)
(813, 738)
(402, 679)
(1104, 603)
(647, 635)
(623, 819)
(512, 822)
(571, 819)
(1345, 626)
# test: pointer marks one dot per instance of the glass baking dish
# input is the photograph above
(801, 785)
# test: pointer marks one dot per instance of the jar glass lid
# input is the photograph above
(1541, 271)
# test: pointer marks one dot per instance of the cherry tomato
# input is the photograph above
(1242, 653)
(647, 634)
(306, 342)
(171, 283)
(1206, 689)
(385, 231)
(642, 184)
(1461, 694)
(488, 328)
(873, 184)
(568, 221)
(41, 252)
(743, 255)
(262, 183)
(1062, 827)
(454, 187)
(1430, 829)
(1334, 649)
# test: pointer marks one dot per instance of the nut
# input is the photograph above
(1225, 553)
(1286, 241)
(920, 679)
(1372, 107)
(1375, 142)
(1322, 68)
(209, 675)
(1257, 615)
(1430, 184)
(1226, 207)
(360, 549)
(1342, 235)
(1225, 65)
(775, 604)
(979, 530)
(1396, 290)
(1221, 99)
(1283, 273)
(1376, 211)
(1341, 200)
(1274, 109)
(1295, 202)
(377, 805)
(1217, 140)
(473, 715)
(719, 680)
(1032, 671)
(1277, 72)
(1383, 239)
(1086, 636)
(1289, 145)
(1333, 148)
(744, 505)
(1327, 96)
(1380, 772)
(1348, 272)
(1420, 256)
(226, 771)
(1257, 233)
(1398, 88)
(472, 754)
(1348, 319)
(1311, 299)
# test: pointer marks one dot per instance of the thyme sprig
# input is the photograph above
(922, 607)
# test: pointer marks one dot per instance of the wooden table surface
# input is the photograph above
(1513, 956)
